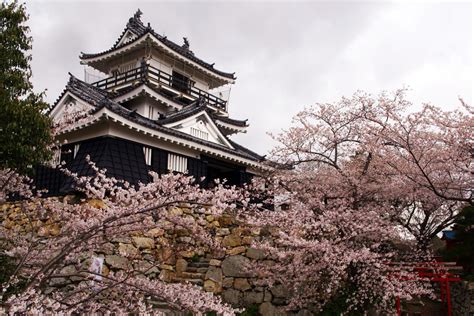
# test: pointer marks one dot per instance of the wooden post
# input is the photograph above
(448, 299)
(441, 289)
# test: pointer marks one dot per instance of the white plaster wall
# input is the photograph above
(200, 84)
(69, 105)
(134, 57)
(141, 105)
(116, 130)
(160, 64)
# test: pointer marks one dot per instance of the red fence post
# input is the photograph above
(448, 299)
(397, 304)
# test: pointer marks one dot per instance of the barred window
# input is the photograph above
(177, 163)
(56, 159)
(76, 149)
(200, 134)
(151, 112)
(147, 152)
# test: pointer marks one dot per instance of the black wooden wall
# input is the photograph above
(125, 160)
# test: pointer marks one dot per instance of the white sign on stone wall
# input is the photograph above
(96, 267)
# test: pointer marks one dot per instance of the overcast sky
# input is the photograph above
(285, 55)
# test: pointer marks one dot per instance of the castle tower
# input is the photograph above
(157, 109)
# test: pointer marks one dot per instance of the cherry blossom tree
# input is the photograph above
(364, 178)
(330, 255)
(370, 151)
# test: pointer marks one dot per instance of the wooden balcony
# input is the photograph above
(174, 87)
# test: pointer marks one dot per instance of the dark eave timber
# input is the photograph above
(136, 26)
(230, 121)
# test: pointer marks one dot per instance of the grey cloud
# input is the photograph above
(286, 54)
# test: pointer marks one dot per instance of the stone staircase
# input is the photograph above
(194, 272)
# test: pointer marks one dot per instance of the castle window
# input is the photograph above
(126, 67)
(147, 152)
(177, 163)
(151, 112)
(56, 159)
(180, 82)
(200, 134)
(76, 149)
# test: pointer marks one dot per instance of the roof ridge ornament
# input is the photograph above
(137, 14)
(186, 43)
(135, 20)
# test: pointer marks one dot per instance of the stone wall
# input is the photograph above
(222, 272)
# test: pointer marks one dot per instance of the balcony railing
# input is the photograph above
(176, 86)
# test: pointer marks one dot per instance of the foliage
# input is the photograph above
(252, 310)
(325, 250)
(24, 128)
(195, 258)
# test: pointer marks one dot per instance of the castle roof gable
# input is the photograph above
(137, 31)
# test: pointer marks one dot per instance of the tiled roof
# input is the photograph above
(126, 90)
(100, 98)
(188, 111)
(83, 91)
(241, 123)
(196, 107)
(136, 26)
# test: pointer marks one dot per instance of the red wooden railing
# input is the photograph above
(435, 271)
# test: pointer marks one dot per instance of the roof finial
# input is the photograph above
(186, 43)
(137, 14)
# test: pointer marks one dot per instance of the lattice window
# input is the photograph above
(126, 67)
(147, 152)
(200, 134)
(177, 163)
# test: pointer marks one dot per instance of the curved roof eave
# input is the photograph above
(162, 43)
(245, 157)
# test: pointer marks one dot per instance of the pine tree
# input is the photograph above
(24, 126)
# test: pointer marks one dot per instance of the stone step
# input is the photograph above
(198, 264)
(192, 275)
(197, 270)
(199, 282)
